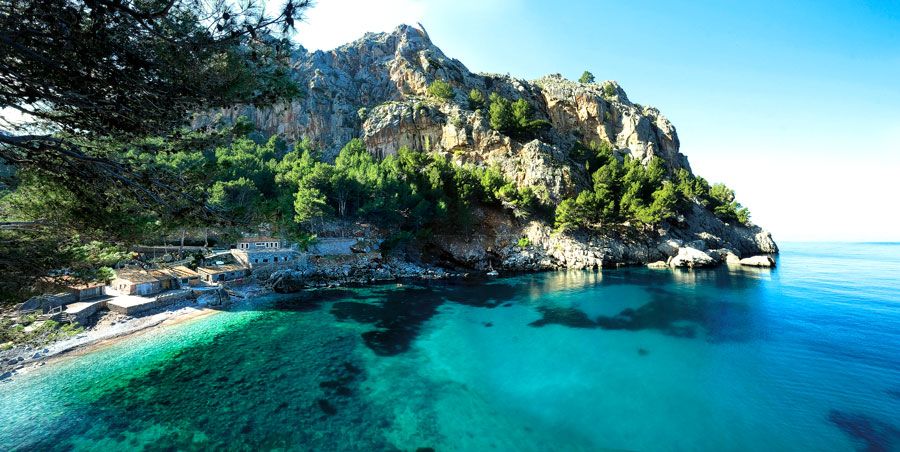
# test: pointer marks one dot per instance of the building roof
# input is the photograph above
(163, 273)
(135, 275)
(258, 239)
(184, 272)
(225, 268)
(89, 285)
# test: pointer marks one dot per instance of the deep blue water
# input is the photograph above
(802, 357)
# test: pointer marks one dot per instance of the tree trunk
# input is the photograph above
(181, 245)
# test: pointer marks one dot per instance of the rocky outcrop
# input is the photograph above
(376, 89)
(758, 261)
(692, 258)
(357, 269)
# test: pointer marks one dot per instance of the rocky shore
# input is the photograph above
(559, 252)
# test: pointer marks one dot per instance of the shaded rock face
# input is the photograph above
(376, 89)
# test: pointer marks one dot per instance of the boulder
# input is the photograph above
(657, 265)
(692, 258)
(669, 247)
(758, 261)
(732, 258)
(287, 281)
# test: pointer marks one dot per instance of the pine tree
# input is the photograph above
(587, 77)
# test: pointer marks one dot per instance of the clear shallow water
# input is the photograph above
(804, 357)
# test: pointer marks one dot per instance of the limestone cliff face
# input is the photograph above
(376, 89)
(388, 74)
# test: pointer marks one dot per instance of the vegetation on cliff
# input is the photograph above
(626, 190)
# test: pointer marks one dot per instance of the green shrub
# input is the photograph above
(514, 118)
(609, 91)
(363, 113)
(476, 100)
(509, 193)
(587, 77)
(724, 205)
(523, 242)
(527, 198)
(441, 90)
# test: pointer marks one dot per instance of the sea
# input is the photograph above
(802, 357)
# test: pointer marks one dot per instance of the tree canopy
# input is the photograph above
(623, 189)
(93, 76)
(107, 89)
(514, 118)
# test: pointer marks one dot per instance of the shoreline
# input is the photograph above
(101, 335)
(96, 338)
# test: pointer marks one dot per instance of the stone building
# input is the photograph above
(254, 252)
(225, 272)
(135, 281)
(258, 243)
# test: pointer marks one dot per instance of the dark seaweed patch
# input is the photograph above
(326, 407)
(877, 435)
(722, 321)
(398, 318)
(566, 316)
(310, 300)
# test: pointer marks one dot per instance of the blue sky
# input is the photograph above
(795, 105)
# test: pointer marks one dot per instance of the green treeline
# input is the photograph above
(626, 190)
(412, 191)
(251, 180)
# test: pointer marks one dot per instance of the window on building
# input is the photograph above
(265, 260)
(275, 260)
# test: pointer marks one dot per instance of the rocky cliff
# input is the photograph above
(376, 89)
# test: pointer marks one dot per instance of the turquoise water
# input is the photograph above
(803, 357)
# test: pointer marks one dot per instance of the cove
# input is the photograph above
(802, 357)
